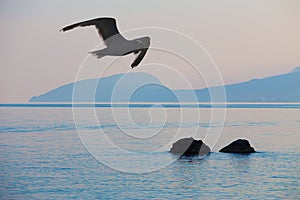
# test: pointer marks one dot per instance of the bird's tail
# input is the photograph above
(99, 53)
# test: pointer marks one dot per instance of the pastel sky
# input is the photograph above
(246, 39)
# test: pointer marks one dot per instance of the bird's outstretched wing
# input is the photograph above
(139, 58)
(107, 27)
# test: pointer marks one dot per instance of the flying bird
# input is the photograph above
(116, 44)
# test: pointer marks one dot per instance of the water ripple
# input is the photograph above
(71, 126)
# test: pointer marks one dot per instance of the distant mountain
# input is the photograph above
(280, 88)
(296, 69)
(142, 87)
(129, 87)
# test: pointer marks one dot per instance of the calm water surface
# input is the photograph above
(42, 156)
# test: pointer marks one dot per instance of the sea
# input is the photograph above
(121, 151)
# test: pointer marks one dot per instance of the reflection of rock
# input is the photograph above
(238, 146)
(190, 147)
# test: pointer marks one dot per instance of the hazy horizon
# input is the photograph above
(246, 40)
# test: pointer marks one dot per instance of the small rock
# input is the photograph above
(238, 146)
(190, 147)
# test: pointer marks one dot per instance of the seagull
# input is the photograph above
(116, 44)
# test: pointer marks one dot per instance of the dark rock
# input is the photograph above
(190, 147)
(238, 146)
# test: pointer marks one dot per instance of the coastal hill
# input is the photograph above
(129, 87)
(279, 88)
(143, 87)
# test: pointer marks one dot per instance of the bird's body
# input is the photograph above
(116, 44)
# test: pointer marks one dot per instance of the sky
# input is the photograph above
(242, 39)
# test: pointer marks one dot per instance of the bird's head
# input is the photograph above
(143, 42)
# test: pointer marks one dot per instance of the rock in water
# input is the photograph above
(238, 146)
(190, 147)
